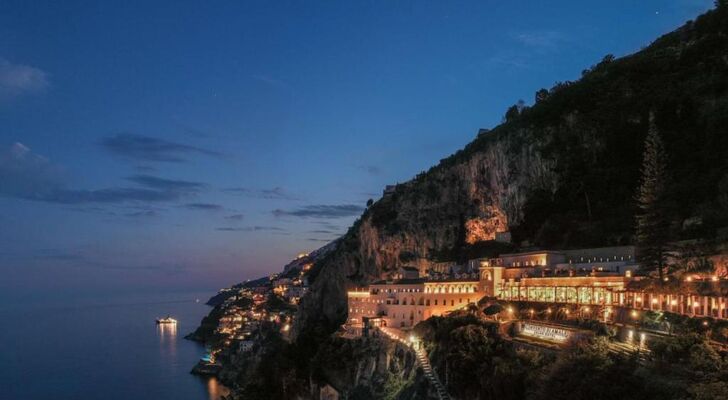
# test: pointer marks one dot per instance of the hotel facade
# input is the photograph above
(407, 299)
(601, 277)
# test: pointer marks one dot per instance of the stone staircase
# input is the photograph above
(629, 350)
(430, 374)
(422, 360)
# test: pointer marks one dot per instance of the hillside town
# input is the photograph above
(243, 311)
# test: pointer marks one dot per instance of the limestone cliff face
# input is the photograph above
(465, 203)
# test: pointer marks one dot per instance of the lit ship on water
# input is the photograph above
(167, 320)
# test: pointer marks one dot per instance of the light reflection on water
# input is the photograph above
(168, 338)
(167, 331)
(215, 389)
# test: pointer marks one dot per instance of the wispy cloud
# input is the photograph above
(92, 210)
(276, 193)
(58, 255)
(322, 211)
(542, 40)
(235, 217)
(250, 229)
(327, 225)
(529, 45)
(155, 182)
(204, 206)
(142, 214)
(109, 195)
(145, 168)
(322, 231)
(270, 81)
(26, 175)
(371, 169)
(145, 148)
(511, 60)
(17, 79)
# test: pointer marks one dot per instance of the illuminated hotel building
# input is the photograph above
(598, 277)
(406, 300)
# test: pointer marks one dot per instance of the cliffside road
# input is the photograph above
(422, 360)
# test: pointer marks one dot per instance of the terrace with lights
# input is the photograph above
(546, 312)
(550, 296)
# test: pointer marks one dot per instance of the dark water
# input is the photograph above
(103, 348)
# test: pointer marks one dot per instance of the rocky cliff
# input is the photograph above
(361, 368)
(560, 173)
(371, 368)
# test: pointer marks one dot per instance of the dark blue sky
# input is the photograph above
(196, 144)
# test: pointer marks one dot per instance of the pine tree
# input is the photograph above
(653, 218)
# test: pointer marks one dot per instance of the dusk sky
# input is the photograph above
(199, 144)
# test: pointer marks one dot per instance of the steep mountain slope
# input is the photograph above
(559, 174)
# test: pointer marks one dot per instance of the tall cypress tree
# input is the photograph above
(653, 218)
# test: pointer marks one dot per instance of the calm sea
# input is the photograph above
(108, 347)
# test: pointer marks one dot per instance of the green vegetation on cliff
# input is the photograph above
(476, 362)
(363, 368)
(594, 131)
